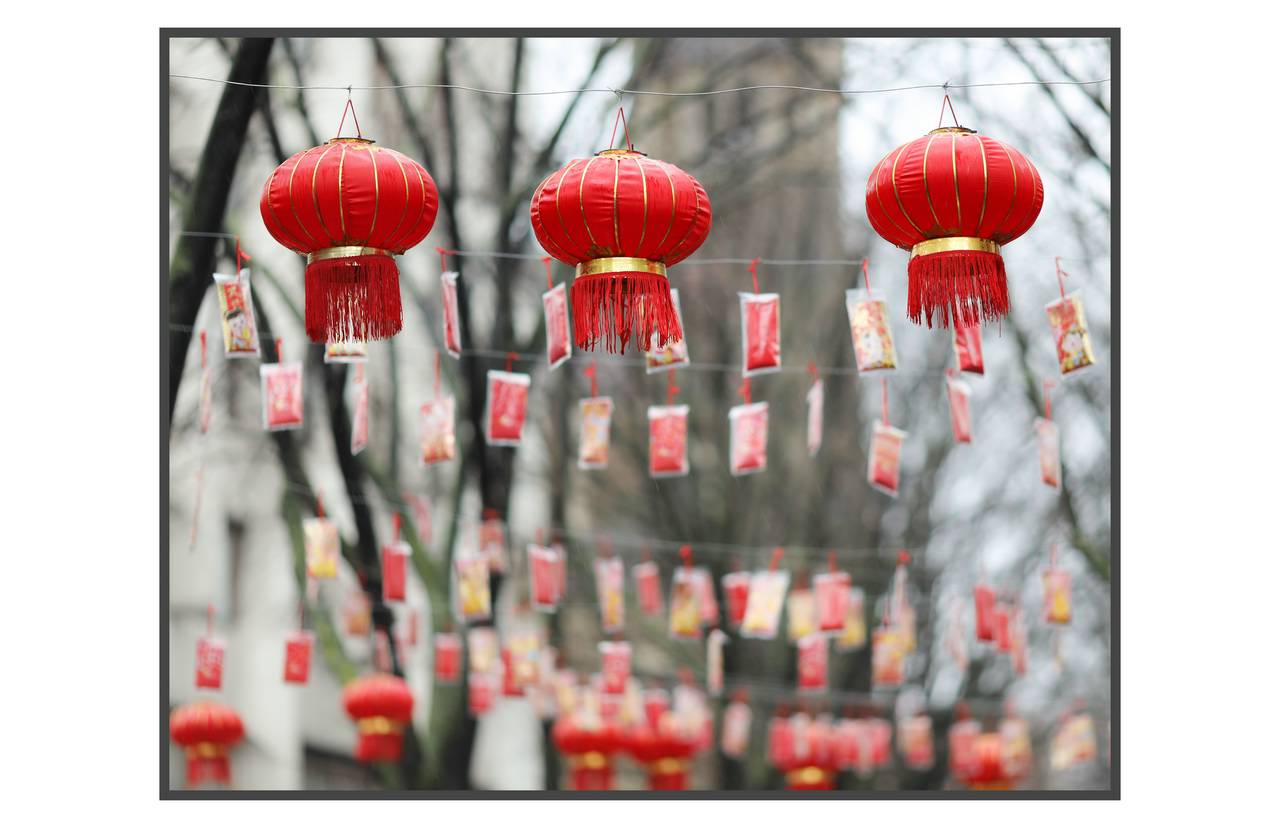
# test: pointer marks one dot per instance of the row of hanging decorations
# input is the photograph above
(605, 705)
(508, 391)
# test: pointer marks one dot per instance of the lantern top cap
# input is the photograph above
(954, 129)
(621, 151)
(342, 139)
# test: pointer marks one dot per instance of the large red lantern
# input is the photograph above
(206, 730)
(589, 751)
(621, 219)
(350, 207)
(381, 705)
(953, 198)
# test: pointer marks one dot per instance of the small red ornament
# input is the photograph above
(381, 706)
(206, 729)
(350, 207)
(621, 219)
(952, 198)
(297, 657)
(589, 749)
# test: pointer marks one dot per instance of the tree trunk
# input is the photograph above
(194, 258)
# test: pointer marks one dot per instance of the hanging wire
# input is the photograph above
(616, 92)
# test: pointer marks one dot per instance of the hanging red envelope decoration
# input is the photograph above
(297, 657)
(555, 312)
(668, 427)
(968, 348)
(505, 405)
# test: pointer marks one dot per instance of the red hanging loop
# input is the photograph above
(1053, 555)
(1049, 382)
(831, 562)
(866, 274)
(590, 371)
(350, 107)
(621, 116)
(813, 370)
(546, 261)
(1062, 275)
(776, 559)
(672, 389)
(904, 557)
(437, 378)
(686, 555)
(537, 536)
(302, 613)
(395, 527)
(279, 349)
(884, 400)
(946, 104)
(241, 256)
(319, 505)
(209, 619)
(204, 348)
(445, 253)
(755, 282)
(745, 390)
(512, 356)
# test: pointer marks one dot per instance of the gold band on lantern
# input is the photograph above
(667, 765)
(378, 725)
(206, 750)
(346, 252)
(924, 248)
(591, 760)
(810, 775)
(620, 264)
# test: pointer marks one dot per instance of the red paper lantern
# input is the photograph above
(953, 198)
(206, 729)
(350, 207)
(589, 751)
(381, 705)
(665, 754)
(621, 219)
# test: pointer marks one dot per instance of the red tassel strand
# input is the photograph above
(357, 297)
(616, 308)
(965, 286)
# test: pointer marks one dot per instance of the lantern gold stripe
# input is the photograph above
(982, 145)
(404, 210)
(671, 184)
(893, 179)
(955, 179)
(884, 210)
(644, 194)
(373, 159)
(924, 173)
(295, 242)
(559, 216)
(315, 200)
(1014, 199)
(617, 240)
(582, 207)
(342, 215)
(289, 192)
(693, 220)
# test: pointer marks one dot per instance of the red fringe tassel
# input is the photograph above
(964, 286)
(616, 308)
(201, 769)
(353, 298)
(379, 747)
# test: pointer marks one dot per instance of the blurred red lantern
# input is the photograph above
(805, 750)
(381, 705)
(621, 219)
(953, 198)
(665, 753)
(589, 751)
(350, 207)
(206, 729)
